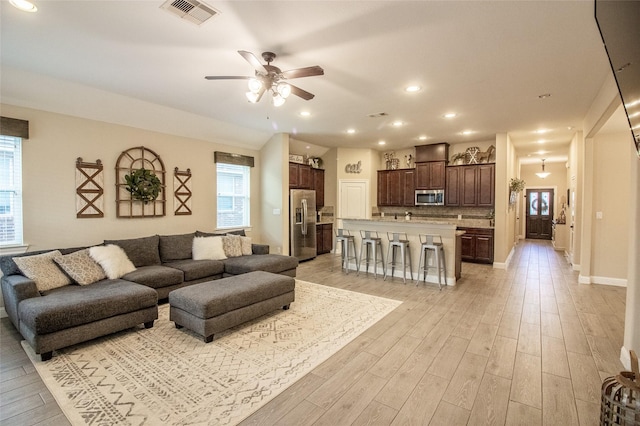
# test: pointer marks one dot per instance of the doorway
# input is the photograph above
(539, 213)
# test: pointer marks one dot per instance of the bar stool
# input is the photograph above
(432, 243)
(399, 240)
(343, 239)
(371, 243)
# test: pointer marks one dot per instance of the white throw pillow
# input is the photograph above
(43, 270)
(209, 248)
(113, 259)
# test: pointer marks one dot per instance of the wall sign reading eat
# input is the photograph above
(353, 168)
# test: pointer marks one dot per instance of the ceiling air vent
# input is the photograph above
(190, 10)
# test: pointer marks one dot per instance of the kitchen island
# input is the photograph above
(413, 228)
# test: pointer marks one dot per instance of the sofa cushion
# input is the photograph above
(208, 248)
(274, 263)
(71, 306)
(43, 270)
(112, 259)
(155, 276)
(81, 267)
(198, 269)
(141, 251)
(176, 247)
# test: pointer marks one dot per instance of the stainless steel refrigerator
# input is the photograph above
(302, 229)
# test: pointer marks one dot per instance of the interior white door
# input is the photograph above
(354, 199)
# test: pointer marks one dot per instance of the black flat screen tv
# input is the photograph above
(619, 25)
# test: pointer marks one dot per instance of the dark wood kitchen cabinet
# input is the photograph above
(299, 176)
(477, 245)
(324, 238)
(396, 187)
(430, 175)
(470, 186)
(318, 185)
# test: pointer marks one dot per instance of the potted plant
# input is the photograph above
(458, 158)
(515, 185)
(143, 185)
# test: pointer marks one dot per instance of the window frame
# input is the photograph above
(12, 184)
(245, 172)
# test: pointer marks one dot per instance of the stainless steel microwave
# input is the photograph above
(429, 197)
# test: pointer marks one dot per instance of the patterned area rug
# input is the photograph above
(166, 376)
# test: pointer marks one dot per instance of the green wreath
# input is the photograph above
(143, 185)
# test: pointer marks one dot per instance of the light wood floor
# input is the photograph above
(523, 346)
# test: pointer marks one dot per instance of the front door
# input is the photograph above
(539, 213)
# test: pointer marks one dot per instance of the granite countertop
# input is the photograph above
(462, 223)
(325, 222)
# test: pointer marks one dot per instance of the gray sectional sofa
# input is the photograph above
(71, 314)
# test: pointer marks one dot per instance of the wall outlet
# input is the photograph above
(276, 212)
(382, 214)
(459, 217)
(278, 250)
(598, 215)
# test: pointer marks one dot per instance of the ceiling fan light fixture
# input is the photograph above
(252, 97)
(254, 85)
(283, 90)
(278, 100)
(542, 174)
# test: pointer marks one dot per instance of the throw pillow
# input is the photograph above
(81, 267)
(43, 270)
(232, 245)
(113, 259)
(208, 248)
(247, 249)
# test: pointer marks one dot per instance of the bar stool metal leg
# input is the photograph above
(398, 240)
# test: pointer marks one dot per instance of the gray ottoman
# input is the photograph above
(214, 306)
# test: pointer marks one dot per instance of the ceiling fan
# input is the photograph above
(270, 77)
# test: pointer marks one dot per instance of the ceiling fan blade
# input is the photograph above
(255, 63)
(303, 72)
(226, 77)
(301, 93)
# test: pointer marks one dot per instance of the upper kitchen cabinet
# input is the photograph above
(318, 185)
(430, 175)
(470, 186)
(396, 187)
(299, 176)
(433, 152)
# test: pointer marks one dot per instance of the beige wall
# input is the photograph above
(274, 190)
(49, 199)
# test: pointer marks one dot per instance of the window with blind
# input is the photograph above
(10, 191)
(233, 185)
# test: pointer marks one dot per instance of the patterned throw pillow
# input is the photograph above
(232, 245)
(43, 270)
(113, 260)
(81, 267)
(247, 250)
(207, 248)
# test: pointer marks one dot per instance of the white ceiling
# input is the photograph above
(487, 61)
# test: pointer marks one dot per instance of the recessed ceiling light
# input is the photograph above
(467, 132)
(308, 147)
(450, 115)
(541, 141)
(544, 96)
(541, 131)
(422, 138)
(541, 152)
(351, 131)
(24, 5)
(305, 113)
(412, 89)
(397, 123)
(382, 143)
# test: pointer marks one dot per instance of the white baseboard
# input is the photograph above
(505, 264)
(3, 312)
(616, 282)
(575, 267)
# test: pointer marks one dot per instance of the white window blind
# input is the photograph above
(233, 185)
(10, 191)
